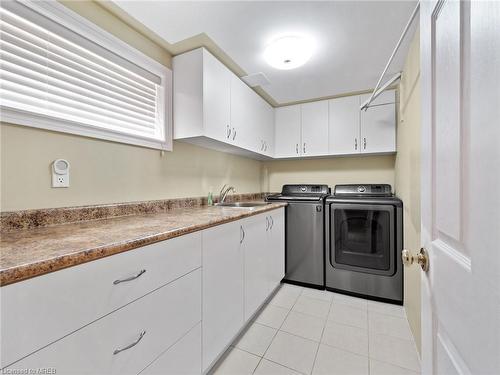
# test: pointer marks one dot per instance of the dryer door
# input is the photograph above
(363, 238)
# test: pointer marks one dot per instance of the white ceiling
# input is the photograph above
(354, 38)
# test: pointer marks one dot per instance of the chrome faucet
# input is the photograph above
(224, 192)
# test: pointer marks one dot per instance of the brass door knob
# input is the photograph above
(421, 258)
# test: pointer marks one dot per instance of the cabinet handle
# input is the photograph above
(228, 132)
(272, 222)
(355, 143)
(297, 148)
(261, 145)
(242, 236)
(265, 143)
(267, 223)
(304, 148)
(140, 273)
(234, 133)
(364, 143)
(141, 335)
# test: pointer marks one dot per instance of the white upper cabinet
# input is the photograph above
(378, 125)
(265, 133)
(378, 133)
(244, 116)
(216, 99)
(314, 127)
(344, 125)
(287, 139)
(215, 109)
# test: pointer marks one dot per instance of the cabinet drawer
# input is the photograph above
(164, 315)
(38, 311)
(184, 358)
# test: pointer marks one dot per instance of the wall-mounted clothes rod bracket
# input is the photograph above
(381, 89)
(398, 44)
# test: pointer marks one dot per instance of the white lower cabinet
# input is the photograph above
(222, 288)
(256, 262)
(243, 262)
(43, 309)
(113, 344)
(183, 358)
(178, 317)
(276, 248)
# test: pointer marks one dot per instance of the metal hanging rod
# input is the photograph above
(378, 89)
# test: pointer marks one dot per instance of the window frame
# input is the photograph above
(63, 15)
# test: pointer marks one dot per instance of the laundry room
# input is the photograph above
(249, 187)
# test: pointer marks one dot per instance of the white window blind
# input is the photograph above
(54, 72)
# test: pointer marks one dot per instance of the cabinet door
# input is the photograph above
(255, 248)
(314, 128)
(344, 126)
(127, 340)
(265, 128)
(244, 115)
(269, 131)
(287, 132)
(216, 98)
(184, 358)
(276, 248)
(44, 309)
(378, 129)
(222, 288)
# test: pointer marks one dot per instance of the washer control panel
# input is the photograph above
(381, 190)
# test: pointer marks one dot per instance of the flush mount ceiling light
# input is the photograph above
(289, 52)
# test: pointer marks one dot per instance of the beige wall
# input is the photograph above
(408, 177)
(107, 172)
(331, 171)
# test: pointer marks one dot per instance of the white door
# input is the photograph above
(460, 56)
(216, 98)
(287, 132)
(222, 268)
(343, 123)
(314, 128)
(255, 252)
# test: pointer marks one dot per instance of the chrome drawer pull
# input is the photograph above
(242, 237)
(141, 335)
(272, 222)
(141, 272)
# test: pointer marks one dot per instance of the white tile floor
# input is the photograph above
(306, 331)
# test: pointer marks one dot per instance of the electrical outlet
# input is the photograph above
(60, 180)
(60, 173)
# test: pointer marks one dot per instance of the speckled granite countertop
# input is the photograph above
(34, 252)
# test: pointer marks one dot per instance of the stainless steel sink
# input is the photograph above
(242, 204)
